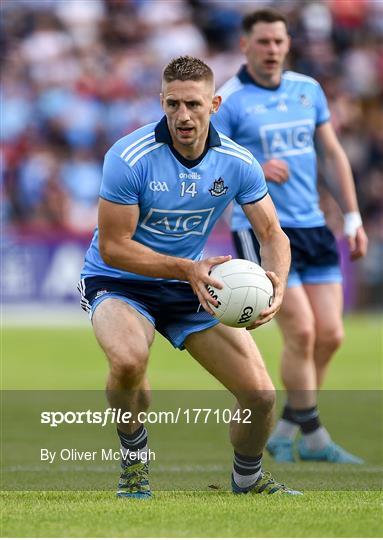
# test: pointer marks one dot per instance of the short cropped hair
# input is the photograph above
(187, 68)
(262, 15)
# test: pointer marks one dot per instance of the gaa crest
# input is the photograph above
(305, 101)
(218, 188)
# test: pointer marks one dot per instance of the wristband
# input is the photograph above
(352, 222)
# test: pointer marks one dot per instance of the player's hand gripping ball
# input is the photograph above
(246, 292)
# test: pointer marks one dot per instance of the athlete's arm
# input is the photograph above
(117, 224)
(275, 250)
(344, 190)
(276, 170)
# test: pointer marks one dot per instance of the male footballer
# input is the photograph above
(276, 115)
(145, 271)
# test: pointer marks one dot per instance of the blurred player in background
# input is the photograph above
(276, 114)
(144, 270)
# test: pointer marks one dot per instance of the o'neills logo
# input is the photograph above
(189, 176)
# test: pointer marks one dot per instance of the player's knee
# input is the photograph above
(128, 365)
(265, 402)
(260, 401)
(303, 337)
(330, 339)
(127, 373)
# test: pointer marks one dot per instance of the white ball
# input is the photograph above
(246, 292)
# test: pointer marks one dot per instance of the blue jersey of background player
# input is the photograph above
(275, 115)
(163, 188)
(279, 123)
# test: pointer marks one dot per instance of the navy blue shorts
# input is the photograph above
(171, 307)
(314, 254)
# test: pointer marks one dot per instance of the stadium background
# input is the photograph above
(79, 74)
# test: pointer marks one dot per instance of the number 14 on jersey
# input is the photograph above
(190, 189)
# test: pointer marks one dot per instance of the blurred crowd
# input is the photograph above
(79, 74)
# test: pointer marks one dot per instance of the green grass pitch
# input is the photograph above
(339, 501)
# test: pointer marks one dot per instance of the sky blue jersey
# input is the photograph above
(278, 123)
(179, 200)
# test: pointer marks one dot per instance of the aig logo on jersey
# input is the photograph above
(287, 138)
(177, 222)
(156, 185)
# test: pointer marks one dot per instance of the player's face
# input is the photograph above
(188, 106)
(266, 48)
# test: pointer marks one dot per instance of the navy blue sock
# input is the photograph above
(287, 414)
(132, 443)
(307, 419)
(246, 469)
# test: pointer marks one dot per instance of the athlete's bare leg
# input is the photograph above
(233, 358)
(125, 336)
(297, 323)
(326, 302)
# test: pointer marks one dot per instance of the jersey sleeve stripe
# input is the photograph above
(123, 154)
(242, 151)
(233, 85)
(291, 76)
(138, 148)
(142, 154)
(231, 144)
(232, 153)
